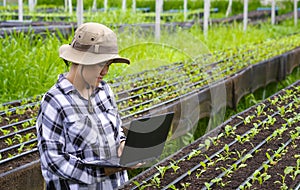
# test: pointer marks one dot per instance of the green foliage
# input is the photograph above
(28, 62)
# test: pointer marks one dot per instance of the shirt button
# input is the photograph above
(106, 142)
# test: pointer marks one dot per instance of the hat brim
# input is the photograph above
(87, 58)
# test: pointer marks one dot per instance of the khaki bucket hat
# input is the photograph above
(93, 43)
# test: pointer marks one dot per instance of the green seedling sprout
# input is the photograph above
(5, 131)
(162, 170)
(193, 154)
(156, 180)
(9, 141)
(229, 130)
(185, 185)
(140, 186)
(281, 110)
(174, 166)
(260, 109)
(207, 143)
(207, 185)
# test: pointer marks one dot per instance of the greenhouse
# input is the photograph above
(223, 74)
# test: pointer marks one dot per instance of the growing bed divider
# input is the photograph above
(203, 97)
(215, 133)
(263, 73)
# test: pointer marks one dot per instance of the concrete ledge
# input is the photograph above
(26, 177)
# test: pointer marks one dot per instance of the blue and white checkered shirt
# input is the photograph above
(69, 135)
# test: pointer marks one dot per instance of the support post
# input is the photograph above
(229, 8)
(295, 12)
(94, 7)
(158, 4)
(20, 10)
(185, 2)
(245, 14)
(70, 7)
(31, 5)
(79, 12)
(206, 16)
(105, 5)
(273, 12)
(123, 5)
(133, 6)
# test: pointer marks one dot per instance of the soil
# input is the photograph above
(216, 166)
(19, 162)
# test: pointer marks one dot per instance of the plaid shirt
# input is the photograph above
(69, 135)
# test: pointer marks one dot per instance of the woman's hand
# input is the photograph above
(121, 147)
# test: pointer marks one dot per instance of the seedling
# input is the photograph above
(185, 185)
(240, 154)
(214, 140)
(271, 120)
(246, 157)
(162, 170)
(140, 186)
(247, 119)
(207, 143)
(156, 180)
(20, 149)
(5, 131)
(207, 185)
(272, 162)
(263, 177)
(174, 166)
(229, 130)
(281, 110)
(193, 154)
(9, 141)
(260, 109)
(248, 185)
(274, 101)
(282, 182)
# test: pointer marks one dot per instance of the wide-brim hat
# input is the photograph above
(93, 43)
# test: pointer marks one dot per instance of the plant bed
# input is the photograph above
(256, 149)
(140, 94)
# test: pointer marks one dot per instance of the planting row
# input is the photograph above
(45, 24)
(195, 73)
(256, 149)
(46, 68)
(141, 93)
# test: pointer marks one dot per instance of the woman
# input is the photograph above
(78, 120)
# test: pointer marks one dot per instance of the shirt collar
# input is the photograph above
(68, 87)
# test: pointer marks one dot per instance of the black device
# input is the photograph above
(145, 142)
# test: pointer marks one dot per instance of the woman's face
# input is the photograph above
(93, 74)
